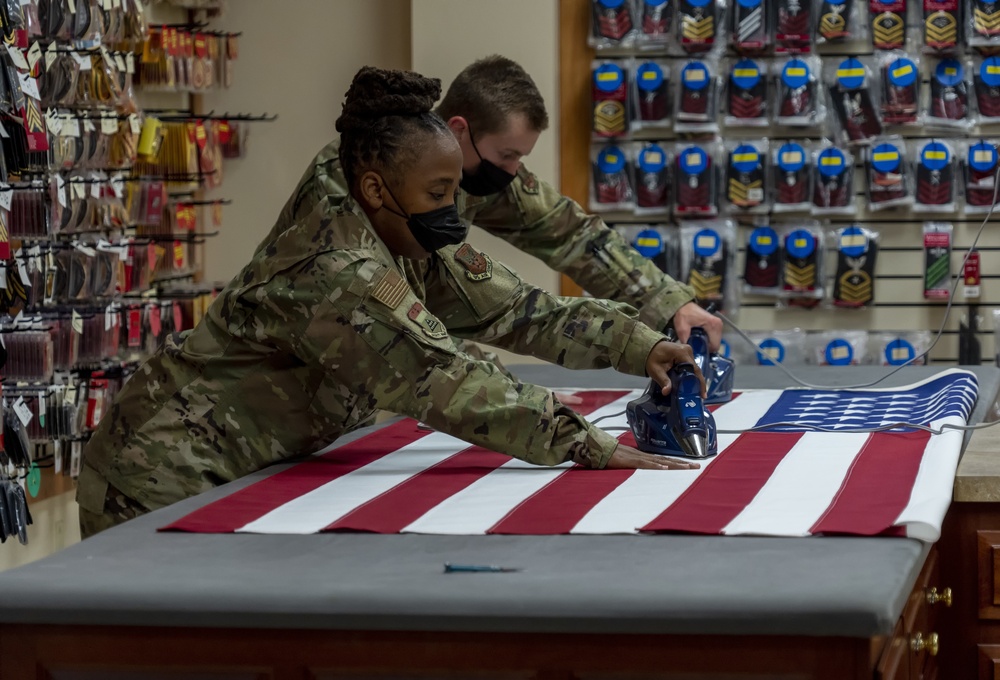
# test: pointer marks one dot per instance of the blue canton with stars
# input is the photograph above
(949, 395)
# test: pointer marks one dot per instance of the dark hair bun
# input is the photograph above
(378, 92)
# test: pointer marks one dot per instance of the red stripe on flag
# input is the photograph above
(877, 487)
(228, 514)
(722, 491)
(405, 503)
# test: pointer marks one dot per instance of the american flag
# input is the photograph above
(786, 481)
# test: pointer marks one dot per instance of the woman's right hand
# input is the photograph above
(627, 458)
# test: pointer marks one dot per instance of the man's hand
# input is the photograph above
(627, 458)
(664, 356)
(691, 316)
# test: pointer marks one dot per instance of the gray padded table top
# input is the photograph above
(131, 575)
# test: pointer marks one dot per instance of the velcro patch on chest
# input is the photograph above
(432, 327)
(529, 183)
(478, 266)
(390, 289)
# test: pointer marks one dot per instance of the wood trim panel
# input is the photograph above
(987, 548)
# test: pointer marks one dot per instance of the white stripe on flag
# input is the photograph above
(309, 513)
(482, 504)
(801, 488)
(744, 411)
(925, 512)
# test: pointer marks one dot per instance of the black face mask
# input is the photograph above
(434, 229)
(487, 179)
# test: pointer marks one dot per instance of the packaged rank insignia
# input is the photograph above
(612, 182)
(849, 85)
(613, 23)
(610, 98)
(792, 168)
(888, 19)
(798, 103)
(854, 280)
(802, 264)
(793, 25)
(655, 21)
(937, 260)
(748, 28)
(698, 24)
(652, 180)
(935, 176)
(696, 106)
(762, 267)
(900, 84)
(839, 348)
(652, 86)
(841, 21)
(746, 176)
(778, 347)
(695, 180)
(887, 176)
(833, 181)
(948, 106)
(746, 98)
(986, 79)
(656, 243)
(983, 21)
(941, 25)
(708, 249)
(981, 167)
(897, 349)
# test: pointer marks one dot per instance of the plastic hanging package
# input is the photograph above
(900, 85)
(749, 28)
(889, 25)
(888, 181)
(656, 242)
(793, 25)
(696, 105)
(746, 176)
(941, 23)
(612, 187)
(655, 21)
(778, 347)
(652, 179)
(747, 94)
(948, 106)
(981, 166)
(797, 100)
(833, 181)
(612, 23)
(982, 19)
(708, 250)
(986, 81)
(854, 278)
(762, 266)
(841, 21)
(934, 162)
(937, 260)
(802, 264)
(696, 176)
(612, 113)
(791, 165)
(838, 348)
(895, 349)
(699, 23)
(652, 89)
(849, 84)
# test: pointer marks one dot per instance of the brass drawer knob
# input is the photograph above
(933, 596)
(919, 643)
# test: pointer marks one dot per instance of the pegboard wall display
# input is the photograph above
(101, 214)
(817, 168)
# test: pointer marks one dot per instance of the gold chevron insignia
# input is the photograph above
(698, 29)
(940, 28)
(855, 286)
(832, 24)
(705, 286)
(33, 117)
(609, 117)
(986, 22)
(888, 29)
(800, 277)
(740, 192)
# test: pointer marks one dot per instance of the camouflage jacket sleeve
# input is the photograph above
(534, 217)
(400, 358)
(483, 300)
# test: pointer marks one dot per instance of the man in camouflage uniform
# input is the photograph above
(529, 214)
(268, 375)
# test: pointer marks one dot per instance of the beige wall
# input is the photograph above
(297, 59)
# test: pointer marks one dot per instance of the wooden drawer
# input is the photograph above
(988, 554)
